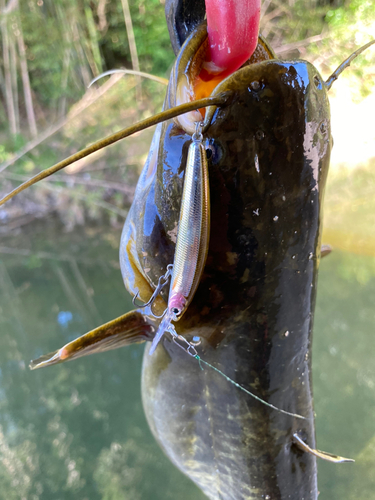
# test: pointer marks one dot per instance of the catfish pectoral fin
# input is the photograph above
(320, 454)
(130, 328)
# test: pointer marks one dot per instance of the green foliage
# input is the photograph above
(150, 26)
(64, 40)
(69, 42)
(352, 26)
(325, 32)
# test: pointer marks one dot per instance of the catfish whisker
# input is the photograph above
(217, 100)
(155, 78)
(330, 81)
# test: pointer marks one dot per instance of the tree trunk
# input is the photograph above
(81, 56)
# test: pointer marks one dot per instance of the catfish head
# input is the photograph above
(271, 106)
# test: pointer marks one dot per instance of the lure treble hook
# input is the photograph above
(163, 280)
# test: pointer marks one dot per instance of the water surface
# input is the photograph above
(77, 430)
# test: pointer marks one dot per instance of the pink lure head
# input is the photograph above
(176, 303)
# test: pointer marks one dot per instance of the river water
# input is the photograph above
(77, 430)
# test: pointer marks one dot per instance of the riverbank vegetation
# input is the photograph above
(50, 52)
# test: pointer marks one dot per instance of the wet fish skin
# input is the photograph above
(254, 306)
(182, 17)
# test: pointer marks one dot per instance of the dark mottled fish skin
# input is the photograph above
(182, 17)
(254, 306)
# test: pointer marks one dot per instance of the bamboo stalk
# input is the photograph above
(132, 44)
(2, 83)
(13, 70)
(26, 84)
(80, 53)
(94, 40)
(7, 74)
(64, 84)
(103, 25)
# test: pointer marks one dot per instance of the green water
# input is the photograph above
(77, 430)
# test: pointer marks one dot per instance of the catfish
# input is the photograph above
(267, 137)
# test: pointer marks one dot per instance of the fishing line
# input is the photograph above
(190, 349)
(200, 360)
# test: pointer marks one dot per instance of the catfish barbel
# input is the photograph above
(267, 131)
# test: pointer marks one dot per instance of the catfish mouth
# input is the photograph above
(185, 84)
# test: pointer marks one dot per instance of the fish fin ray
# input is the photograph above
(127, 329)
(329, 457)
(325, 250)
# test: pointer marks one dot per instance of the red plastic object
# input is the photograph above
(233, 27)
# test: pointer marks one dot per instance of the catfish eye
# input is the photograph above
(213, 151)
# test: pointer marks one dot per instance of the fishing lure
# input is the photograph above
(192, 237)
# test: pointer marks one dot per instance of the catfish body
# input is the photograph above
(268, 145)
(268, 155)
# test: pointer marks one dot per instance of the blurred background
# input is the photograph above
(78, 430)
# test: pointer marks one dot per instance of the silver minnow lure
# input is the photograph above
(192, 237)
